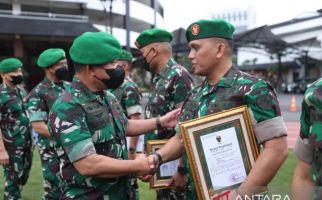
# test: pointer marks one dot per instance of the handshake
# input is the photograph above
(147, 165)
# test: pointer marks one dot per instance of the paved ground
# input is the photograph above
(292, 119)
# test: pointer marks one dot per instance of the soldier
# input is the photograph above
(169, 87)
(89, 126)
(15, 135)
(226, 87)
(129, 97)
(308, 170)
(39, 103)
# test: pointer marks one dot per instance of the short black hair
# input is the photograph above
(230, 44)
(78, 66)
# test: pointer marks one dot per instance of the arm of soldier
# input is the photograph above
(302, 184)
(4, 157)
(266, 166)
(133, 140)
(105, 167)
(139, 127)
(37, 114)
(132, 102)
(72, 133)
(41, 128)
(170, 151)
(270, 131)
(180, 87)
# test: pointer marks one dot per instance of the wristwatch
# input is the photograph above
(159, 126)
(160, 161)
(182, 170)
(132, 150)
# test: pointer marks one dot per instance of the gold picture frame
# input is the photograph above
(163, 174)
(220, 146)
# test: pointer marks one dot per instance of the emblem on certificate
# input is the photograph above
(221, 150)
(164, 173)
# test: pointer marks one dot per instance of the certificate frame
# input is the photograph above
(193, 133)
(157, 181)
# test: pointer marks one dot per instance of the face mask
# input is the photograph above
(145, 65)
(62, 73)
(117, 76)
(16, 80)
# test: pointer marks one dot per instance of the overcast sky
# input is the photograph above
(180, 13)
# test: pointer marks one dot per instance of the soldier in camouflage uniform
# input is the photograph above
(89, 126)
(226, 87)
(129, 97)
(15, 134)
(308, 172)
(39, 103)
(170, 86)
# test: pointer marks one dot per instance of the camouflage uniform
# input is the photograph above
(308, 146)
(130, 97)
(235, 89)
(85, 123)
(168, 91)
(39, 103)
(17, 140)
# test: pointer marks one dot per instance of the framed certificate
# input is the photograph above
(221, 150)
(164, 173)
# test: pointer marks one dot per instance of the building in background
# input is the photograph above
(243, 19)
(299, 61)
(30, 26)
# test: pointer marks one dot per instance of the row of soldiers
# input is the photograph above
(83, 125)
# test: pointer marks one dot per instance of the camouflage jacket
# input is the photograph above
(235, 89)
(39, 102)
(168, 90)
(13, 118)
(311, 132)
(83, 123)
(129, 96)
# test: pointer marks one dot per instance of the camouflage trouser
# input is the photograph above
(134, 190)
(17, 172)
(170, 194)
(50, 169)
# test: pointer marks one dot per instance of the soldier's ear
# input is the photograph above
(220, 50)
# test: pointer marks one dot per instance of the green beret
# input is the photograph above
(125, 55)
(210, 28)
(95, 48)
(9, 65)
(50, 57)
(151, 36)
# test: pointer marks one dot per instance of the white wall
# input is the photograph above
(137, 10)
(120, 34)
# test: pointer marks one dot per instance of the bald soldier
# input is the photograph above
(226, 87)
(15, 134)
(39, 102)
(170, 86)
(89, 126)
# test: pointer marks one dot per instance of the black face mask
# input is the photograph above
(146, 65)
(16, 80)
(62, 73)
(117, 76)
